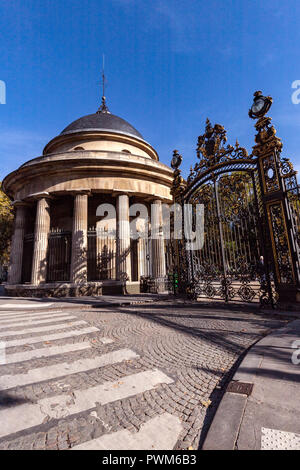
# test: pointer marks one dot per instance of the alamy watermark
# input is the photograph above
(187, 223)
(2, 92)
(296, 354)
(296, 94)
(2, 353)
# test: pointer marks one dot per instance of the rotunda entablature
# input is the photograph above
(101, 171)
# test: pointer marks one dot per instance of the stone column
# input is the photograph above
(40, 248)
(123, 238)
(158, 247)
(16, 255)
(79, 238)
(143, 229)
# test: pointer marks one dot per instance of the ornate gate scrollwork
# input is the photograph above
(249, 253)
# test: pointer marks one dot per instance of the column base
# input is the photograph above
(152, 285)
(67, 289)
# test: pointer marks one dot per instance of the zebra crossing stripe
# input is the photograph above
(25, 313)
(51, 337)
(60, 370)
(39, 329)
(45, 352)
(13, 307)
(31, 315)
(108, 392)
(159, 433)
(27, 415)
(35, 322)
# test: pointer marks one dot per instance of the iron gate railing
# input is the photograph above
(101, 255)
(59, 255)
(293, 194)
(27, 257)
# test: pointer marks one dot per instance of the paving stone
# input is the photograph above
(196, 348)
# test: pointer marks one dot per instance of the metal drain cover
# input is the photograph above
(240, 387)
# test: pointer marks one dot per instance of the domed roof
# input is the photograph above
(102, 121)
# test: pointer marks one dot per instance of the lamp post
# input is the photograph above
(277, 212)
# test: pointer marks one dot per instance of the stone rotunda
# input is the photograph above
(64, 241)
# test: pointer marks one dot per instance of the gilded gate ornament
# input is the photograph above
(288, 173)
(211, 150)
(179, 184)
(266, 137)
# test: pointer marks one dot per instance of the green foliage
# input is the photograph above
(6, 225)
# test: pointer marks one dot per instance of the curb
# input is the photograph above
(225, 427)
(89, 305)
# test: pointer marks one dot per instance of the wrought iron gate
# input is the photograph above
(251, 247)
(231, 265)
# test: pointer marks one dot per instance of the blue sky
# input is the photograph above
(169, 65)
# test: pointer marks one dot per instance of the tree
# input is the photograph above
(6, 225)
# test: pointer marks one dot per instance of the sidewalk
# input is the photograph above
(28, 303)
(261, 406)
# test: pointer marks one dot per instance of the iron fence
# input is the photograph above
(101, 255)
(27, 257)
(59, 255)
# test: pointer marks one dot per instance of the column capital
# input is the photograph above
(120, 192)
(80, 191)
(155, 197)
(20, 203)
(156, 201)
(41, 195)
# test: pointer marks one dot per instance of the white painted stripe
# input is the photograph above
(45, 352)
(25, 416)
(159, 433)
(106, 340)
(2, 353)
(23, 306)
(108, 392)
(25, 331)
(60, 370)
(53, 337)
(21, 315)
(32, 322)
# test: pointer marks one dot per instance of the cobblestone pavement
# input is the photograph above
(107, 375)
